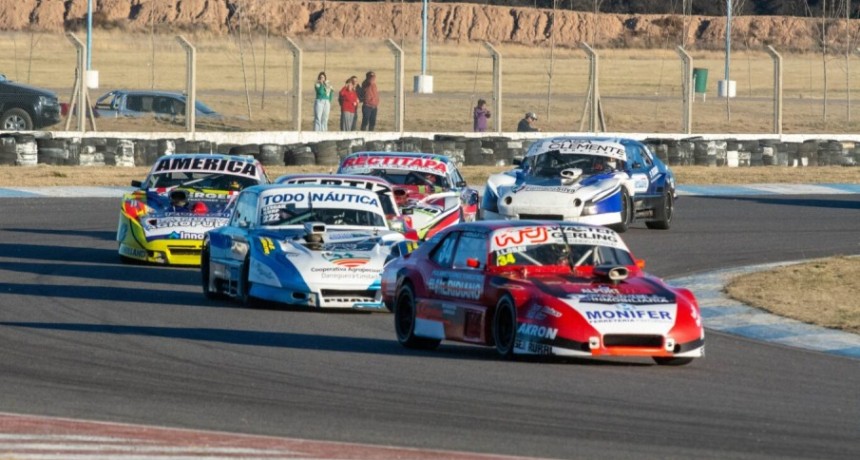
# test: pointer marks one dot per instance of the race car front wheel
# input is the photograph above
(626, 213)
(206, 276)
(505, 327)
(245, 286)
(404, 321)
(663, 213)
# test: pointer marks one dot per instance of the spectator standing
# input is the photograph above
(370, 101)
(322, 103)
(525, 125)
(348, 98)
(481, 115)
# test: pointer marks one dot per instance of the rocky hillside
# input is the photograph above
(455, 22)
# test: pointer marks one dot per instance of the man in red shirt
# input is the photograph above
(370, 98)
(348, 103)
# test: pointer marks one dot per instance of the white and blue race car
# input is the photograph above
(305, 245)
(593, 180)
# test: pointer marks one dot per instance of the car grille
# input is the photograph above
(183, 251)
(345, 296)
(541, 217)
(629, 340)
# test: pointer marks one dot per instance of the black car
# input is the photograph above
(24, 108)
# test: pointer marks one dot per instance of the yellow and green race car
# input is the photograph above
(184, 196)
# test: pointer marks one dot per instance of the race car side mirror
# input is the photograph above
(640, 263)
(472, 262)
(136, 183)
(461, 184)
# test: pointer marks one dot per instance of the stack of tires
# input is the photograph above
(325, 153)
(271, 155)
(705, 153)
(410, 144)
(124, 153)
(298, 155)
(474, 152)
(807, 153)
(8, 156)
(26, 150)
(53, 151)
(453, 147)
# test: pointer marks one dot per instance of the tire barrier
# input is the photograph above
(29, 150)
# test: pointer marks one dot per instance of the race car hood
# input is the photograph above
(549, 195)
(634, 306)
(346, 259)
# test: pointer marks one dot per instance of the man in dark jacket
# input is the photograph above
(370, 101)
(525, 125)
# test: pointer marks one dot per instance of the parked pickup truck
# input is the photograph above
(24, 108)
(121, 103)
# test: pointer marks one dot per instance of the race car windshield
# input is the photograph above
(552, 163)
(200, 180)
(410, 177)
(560, 254)
(329, 216)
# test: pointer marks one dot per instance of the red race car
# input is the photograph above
(428, 188)
(538, 288)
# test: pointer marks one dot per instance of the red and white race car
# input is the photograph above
(428, 188)
(539, 288)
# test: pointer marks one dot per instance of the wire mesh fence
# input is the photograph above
(248, 80)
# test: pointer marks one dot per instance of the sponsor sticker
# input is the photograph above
(207, 164)
(456, 284)
(584, 147)
(368, 162)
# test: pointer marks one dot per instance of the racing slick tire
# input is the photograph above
(626, 213)
(505, 327)
(663, 213)
(672, 361)
(404, 321)
(244, 291)
(205, 275)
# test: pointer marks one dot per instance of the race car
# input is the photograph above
(594, 180)
(378, 185)
(539, 288)
(428, 188)
(182, 197)
(315, 246)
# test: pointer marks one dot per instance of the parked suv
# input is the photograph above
(24, 108)
(121, 103)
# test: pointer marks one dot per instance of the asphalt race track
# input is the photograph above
(85, 336)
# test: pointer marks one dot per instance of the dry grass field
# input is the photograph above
(640, 90)
(820, 292)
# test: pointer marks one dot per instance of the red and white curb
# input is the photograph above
(25, 437)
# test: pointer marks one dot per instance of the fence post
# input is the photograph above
(398, 84)
(777, 89)
(297, 83)
(688, 90)
(81, 87)
(190, 84)
(497, 86)
(593, 88)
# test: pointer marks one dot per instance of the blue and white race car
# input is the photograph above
(305, 245)
(593, 180)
